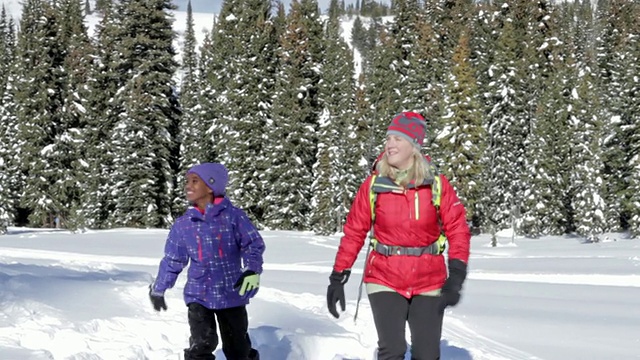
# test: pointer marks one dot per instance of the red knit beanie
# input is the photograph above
(409, 125)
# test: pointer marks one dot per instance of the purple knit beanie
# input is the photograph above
(214, 175)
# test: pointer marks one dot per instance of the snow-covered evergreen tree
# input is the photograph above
(547, 168)
(506, 126)
(38, 90)
(618, 63)
(77, 66)
(192, 129)
(291, 152)
(144, 138)
(105, 79)
(239, 66)
(462, 140)
(630, 109)
(381, 83)
(340, 144)
(412, 79)
(9, 148)
(587, 177)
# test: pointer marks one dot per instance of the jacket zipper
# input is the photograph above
(417, 204)
(199, 248)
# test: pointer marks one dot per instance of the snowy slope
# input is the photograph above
(84, 296)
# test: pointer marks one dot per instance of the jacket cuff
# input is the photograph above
(155, 292)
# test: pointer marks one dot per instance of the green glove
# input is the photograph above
(248, 283)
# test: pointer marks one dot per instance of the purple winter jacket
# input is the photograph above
(214, 244)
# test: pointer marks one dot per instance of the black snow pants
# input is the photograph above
(233, 323)
(391, 312)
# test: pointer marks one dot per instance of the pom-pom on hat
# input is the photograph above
(409, 125)
(214, 175)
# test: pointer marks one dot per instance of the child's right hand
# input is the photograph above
(157, 300)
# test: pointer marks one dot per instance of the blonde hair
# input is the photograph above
(420, 170)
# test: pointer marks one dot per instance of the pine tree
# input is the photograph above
(548, 156)
(462, 141)
(411, 78)
(105, 80)
(334, 9)
(146, 156)
(547, 194)
(208, 103)
(587, 178)
(192, 129)
(507, 131)
(482, 44)
(539, 88)
(630, 110)
(296, 111)
(618, 57)
(77, 65)
(359, 35)
(103, 5)
(339, 143)
(364, 40)
(38, 99)
(428, 80)
(453, 17)
(219, 69)
(9, 149)
(241, 77)
(280, 20)
(189, 88)
(381, 81)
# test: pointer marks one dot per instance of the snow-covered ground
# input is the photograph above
(84, 296)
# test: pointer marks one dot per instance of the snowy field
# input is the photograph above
(84, 296)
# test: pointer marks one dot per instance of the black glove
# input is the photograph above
(335, 291)
(450, 294)
(157, 300)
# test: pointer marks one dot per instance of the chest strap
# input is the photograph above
(389, 250)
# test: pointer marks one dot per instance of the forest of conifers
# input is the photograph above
(532, 109)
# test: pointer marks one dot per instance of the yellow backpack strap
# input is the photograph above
(372, 199)
(373, 196)
(436, 191)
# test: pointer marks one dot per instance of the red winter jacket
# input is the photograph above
(398, 223)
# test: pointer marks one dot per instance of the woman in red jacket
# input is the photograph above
(405, 273)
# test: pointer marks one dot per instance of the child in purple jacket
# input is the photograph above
(224, 252)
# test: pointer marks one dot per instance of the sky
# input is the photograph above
(85, 296)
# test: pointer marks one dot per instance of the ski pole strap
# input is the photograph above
(389, 250)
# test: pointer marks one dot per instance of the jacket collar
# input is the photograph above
(211, 211)
(384, 184)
